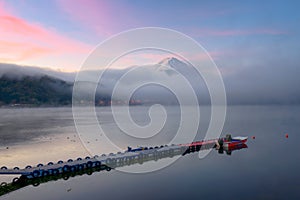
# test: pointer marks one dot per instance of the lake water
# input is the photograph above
(267, 169)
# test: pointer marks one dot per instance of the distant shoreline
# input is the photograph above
(104, 106)
(34, 106)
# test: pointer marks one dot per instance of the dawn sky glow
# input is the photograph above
(60, 34)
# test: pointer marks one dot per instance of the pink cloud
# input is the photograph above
(21, 40)
(17, 51)
(103, 17)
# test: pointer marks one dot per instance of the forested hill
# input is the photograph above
(34, 90)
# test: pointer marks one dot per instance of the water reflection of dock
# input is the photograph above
(64, 170)
(112, 160)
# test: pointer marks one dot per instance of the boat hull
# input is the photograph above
(236, 141)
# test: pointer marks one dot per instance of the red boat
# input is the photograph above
(234, 141)
(226, 142)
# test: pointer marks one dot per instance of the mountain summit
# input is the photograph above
(172, 62)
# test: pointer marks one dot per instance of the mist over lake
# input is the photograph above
(268, 167)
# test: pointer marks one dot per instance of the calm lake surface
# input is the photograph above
(267, 169)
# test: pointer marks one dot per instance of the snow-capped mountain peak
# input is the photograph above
(170, 64)
(171, 61)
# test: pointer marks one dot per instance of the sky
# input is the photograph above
(255, 44)
(60, 34)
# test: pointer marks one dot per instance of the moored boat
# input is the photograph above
(234, 141)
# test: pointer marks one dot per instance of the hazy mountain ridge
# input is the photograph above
(34, 90)
(17, 72)
(33, 85)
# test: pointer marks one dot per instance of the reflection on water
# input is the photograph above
(269, 169)
(24, 181)
(33, 124)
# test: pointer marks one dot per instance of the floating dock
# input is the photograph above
(112, 160)
(87, 166)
